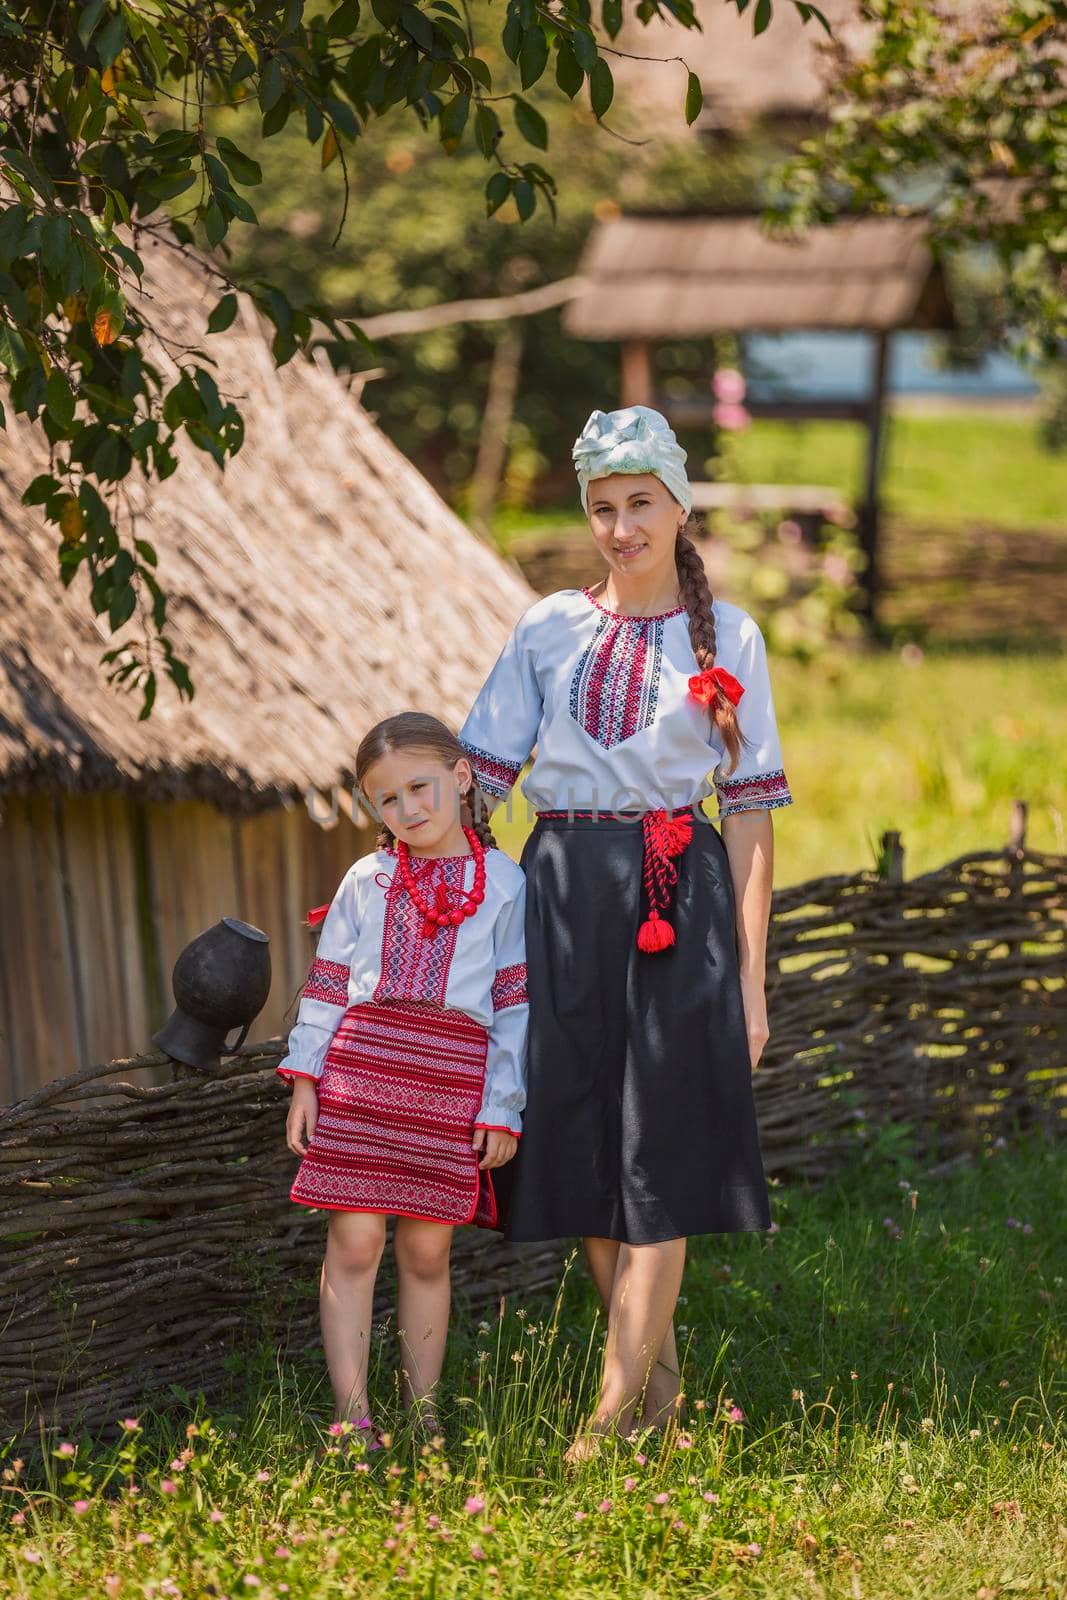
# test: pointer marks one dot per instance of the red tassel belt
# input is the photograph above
(666, 834)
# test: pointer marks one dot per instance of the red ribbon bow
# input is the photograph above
(704, 686)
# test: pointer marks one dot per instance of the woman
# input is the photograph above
(645, 927)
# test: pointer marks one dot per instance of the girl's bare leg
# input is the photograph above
(354, 1244)
(643, 1297)
(664, 1386)
(424, 1292)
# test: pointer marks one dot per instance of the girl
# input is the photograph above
(408, 1057)
(645, 925)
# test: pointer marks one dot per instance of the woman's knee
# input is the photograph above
(422, 1248)
(355, 1241)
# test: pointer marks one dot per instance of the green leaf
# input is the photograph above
(496, 192)
(277, 116)
(55, 244)
(601, 87)
(525, 198)
(486, 129)
(417, 25)
(762, 16)
(89, 19)
(59, 398)
(387, 12)
(214, 223)
(612, 15)
(530, 123)
(694, 99)
(809, 11)
(344, 20)
(41, 489)
(271, 84)
(149, 697)
(533, 57)
(584, 46)
(110, 39)
(243, 167)
(569, 74)
(121, 609)
(512, 36)
(453, 120)
(223, 314)
(156, 190)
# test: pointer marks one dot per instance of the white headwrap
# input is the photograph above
(635, 439)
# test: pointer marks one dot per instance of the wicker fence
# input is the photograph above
(147, 1231)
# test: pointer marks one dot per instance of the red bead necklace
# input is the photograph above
(445, 912)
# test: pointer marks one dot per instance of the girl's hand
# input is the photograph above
(754, 998)
(303, 1115)
(499, 1147)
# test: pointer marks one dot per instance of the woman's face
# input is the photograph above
(417, 795)
(635, 520)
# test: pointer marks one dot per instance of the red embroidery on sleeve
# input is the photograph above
(509, 986)
(328, 981)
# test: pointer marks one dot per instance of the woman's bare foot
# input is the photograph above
(425, 1419)
(587, 1443)
(662, 1395)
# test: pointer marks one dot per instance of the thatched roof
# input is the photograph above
(316, 586)
(663, 277)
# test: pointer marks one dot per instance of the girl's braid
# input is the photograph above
(697, 598)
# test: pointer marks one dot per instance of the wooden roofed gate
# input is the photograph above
(646, 279)
(310, 587)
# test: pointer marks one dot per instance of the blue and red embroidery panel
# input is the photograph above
(615, 687)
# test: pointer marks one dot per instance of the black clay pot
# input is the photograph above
(221, 981)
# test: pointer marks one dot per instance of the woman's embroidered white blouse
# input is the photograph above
(605, 698)
(371, 949)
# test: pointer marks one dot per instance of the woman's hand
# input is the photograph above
(303, 1115)
(499, 1147)
(754, 999)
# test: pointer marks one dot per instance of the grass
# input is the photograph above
(936, 745)
(876, 1395)
(962, 466)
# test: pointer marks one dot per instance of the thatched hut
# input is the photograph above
(317, 585)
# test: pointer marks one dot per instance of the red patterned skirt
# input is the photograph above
(399, 1092)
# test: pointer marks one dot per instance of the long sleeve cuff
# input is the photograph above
(497, 1121)
(307, 1050)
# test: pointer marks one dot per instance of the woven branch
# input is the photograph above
(148, 1233)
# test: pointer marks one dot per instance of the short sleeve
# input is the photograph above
(324, 997)
(502, 726)
(504, 1095)
(758, 781)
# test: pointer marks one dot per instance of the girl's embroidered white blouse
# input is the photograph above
(605, 697)
(371, 949)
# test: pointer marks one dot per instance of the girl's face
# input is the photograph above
(635, 520)
(417, 796)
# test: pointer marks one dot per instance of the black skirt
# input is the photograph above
(640, 1123)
